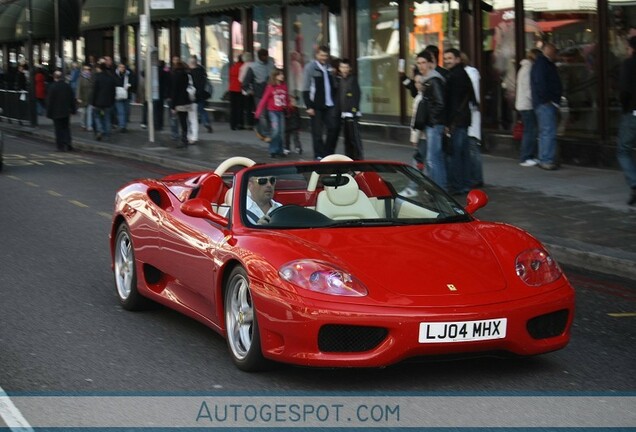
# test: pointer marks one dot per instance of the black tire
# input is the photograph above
(243, 338)
(125, 270)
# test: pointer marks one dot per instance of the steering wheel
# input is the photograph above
(313, 180)
(233, 161)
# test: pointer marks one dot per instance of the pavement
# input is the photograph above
(579, 213)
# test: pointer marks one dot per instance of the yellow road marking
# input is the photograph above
(623, 314)
(55, 194)
(77, 203)
(32, 184)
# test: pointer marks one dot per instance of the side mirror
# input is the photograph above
(200, 208)
(475, 200)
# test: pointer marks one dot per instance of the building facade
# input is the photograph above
(374, 34)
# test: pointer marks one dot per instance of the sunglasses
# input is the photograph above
(262, 181)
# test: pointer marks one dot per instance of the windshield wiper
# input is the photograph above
(452, 219)
(367, 222)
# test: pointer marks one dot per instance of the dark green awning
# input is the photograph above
(205, 6)
(100, 14)
(136, 7)
(8, 20)
(44, 20)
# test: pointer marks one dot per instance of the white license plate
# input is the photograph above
(462, 331)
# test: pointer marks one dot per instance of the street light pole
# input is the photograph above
(32, 106)
(149, 71)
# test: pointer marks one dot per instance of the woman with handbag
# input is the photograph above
(124, 87)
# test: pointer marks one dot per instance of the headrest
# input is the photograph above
(228, 197)
(341, 189)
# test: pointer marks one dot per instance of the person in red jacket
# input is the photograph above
(236, 97)
(276, 100)
(40, 90)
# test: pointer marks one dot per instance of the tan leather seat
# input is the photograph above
(341, 199)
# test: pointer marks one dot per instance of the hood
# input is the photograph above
(414, 261)
(433, 74)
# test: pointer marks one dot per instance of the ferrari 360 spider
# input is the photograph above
(328, 263)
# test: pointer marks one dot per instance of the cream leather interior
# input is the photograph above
(344, 200)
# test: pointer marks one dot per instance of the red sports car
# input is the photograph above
(332, 263)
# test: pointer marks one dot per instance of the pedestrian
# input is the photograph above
(180, 103)
(292, 127)
(523, 104)
(476, 171)
(459, 96)
(236, 96)
(204, 92)
(319, 99)
(255, 81)
(73, 76)
(276, 101)
(627, 128)
(161, 96)
(433, 92)
(419, 120)
(125, 86)
(348, 107)
(247, 92)
(60, 105)
(546, 88)
(40, 90)
(85, 87)
(103, 101)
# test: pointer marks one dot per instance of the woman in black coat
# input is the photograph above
(180, 102)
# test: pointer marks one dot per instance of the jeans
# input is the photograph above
(203, 114)
(102, 120)
(435, 157)
(459, 161)
(529, 138)
(193, 124)
(277, 121)
(547, 121)
(476, 172)
(625, 146)
(123, 109)
(86, 117)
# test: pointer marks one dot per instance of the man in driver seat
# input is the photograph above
(260, 202)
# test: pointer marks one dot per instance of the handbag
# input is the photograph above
(121, 93)
(421, 116)
(447, 143)
(191, 90)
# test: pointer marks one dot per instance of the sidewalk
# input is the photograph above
(580, 214)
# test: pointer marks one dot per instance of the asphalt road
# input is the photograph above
(61, 328)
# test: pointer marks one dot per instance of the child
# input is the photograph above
(276, 101)
(349, 103)
(292, 128)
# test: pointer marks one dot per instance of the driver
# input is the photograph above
(260, 202)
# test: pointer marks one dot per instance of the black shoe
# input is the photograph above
(548, 166)
(98, 137)
(632, 200)
(209, 128)
(124, 130)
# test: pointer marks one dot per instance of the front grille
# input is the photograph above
(548, 325)
(345, 338)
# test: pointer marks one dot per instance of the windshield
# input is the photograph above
(344, 194)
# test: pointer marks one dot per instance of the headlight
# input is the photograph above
(535, 267)
(321, 277)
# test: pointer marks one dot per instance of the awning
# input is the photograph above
(44, 20)
(136, 7)
(8, 19)
(205, 6)
(548, 26)
(100, 14)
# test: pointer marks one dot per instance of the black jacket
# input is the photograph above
(348, 94)
(459, 94)
(179, 95)
(434, 92)
(60, 101)
(200, 79)
(103, 91)
(628, 84)
(313, 75)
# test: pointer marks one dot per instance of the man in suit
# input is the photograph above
(60, 105)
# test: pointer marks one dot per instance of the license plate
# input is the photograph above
(462, 331)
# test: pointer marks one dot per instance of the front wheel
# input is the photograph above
(243, 338)
(126, 272)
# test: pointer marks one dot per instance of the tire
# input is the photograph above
(126, 272)
(243, 338)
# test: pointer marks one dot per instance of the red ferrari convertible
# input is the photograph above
(331, 264)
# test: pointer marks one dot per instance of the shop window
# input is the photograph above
(163, 44)
(574, 33)
(378, 49)
(268, 32)
(131, 40)
(622, 25)
(190, 38)
(302, 41)
(217, 49)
